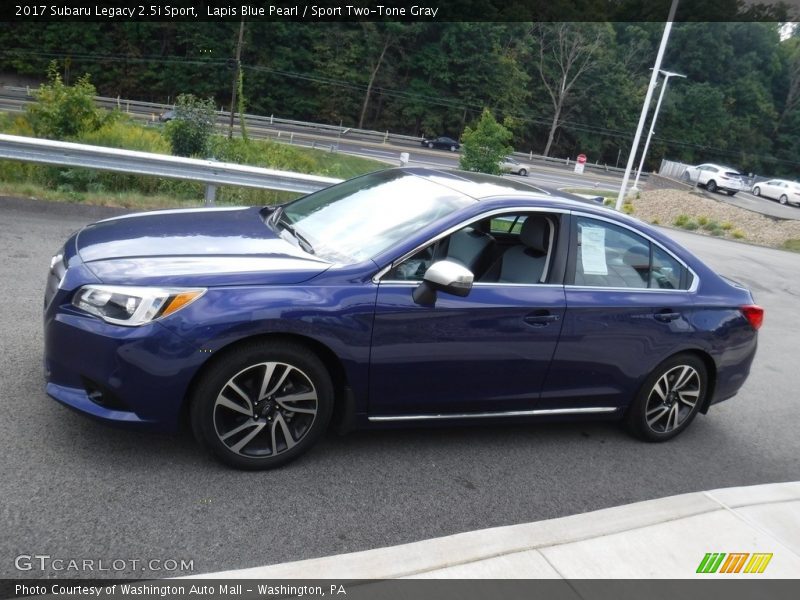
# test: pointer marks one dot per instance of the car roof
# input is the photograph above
(481, 186)
(723, 167)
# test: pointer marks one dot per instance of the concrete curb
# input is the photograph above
(664, 538)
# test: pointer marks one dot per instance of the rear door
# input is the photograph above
(628, 307)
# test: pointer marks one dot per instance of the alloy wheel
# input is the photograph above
(265, 409)
(673, 398)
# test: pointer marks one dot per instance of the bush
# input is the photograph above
(189, 132)
(738, 234)
(484, 147)
(727, 226)
(120, 132)
(681, 220)
(63, 112)
(690, 225)
(702, 221)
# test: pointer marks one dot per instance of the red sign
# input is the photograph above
(581, 158)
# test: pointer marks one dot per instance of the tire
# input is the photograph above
(731, 192)
(686, 176)
(711, 186)
(523, 173)
(430, 145)
(241, 409)
(756, 191)
(452, 148)
(661, 409)
(784, 199)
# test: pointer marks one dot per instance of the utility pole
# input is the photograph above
(646, 106)
(667, 75)
(236, 70)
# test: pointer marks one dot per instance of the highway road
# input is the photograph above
(76, 489)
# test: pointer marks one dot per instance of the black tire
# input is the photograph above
(685, 176)
(711, 186)
(756, 191)
(523, 173)
(222, 418)
(784, 199)
(430, 144)
(731, 192)
(654, 419)
(453, 148)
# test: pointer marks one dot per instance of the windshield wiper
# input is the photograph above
(304, 243)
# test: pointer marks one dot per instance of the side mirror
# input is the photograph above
(445, 276)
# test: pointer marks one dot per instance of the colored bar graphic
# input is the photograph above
(758, 563)
(711, 562)
(734, 562)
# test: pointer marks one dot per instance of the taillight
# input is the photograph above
(754, 315)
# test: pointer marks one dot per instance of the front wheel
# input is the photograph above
(784, 199)
(669, 399)
(711, 186)
(452, 148)
(430, 144)
(262, 405)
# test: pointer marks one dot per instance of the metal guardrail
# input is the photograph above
(210, 172)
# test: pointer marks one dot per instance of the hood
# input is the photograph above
(193, 247)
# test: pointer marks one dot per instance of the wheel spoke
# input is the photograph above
(672, 418)
(287, 434)
(285, 402)
(690, 402)
(655, 414)
(239, 391)
(238, 429)
(662, 387)
(269, 369)
(683, 378)
(230, 404)
(249, 437)
(282, 378)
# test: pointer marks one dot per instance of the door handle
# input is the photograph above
(540, 318)
(666, 315)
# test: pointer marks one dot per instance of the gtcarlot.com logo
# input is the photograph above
(45, 562)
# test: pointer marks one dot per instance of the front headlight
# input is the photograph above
(132, 306)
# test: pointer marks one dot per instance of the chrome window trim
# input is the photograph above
(695, 276)
(376, 278)
(491, 415)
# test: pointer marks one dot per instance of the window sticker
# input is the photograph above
(593, 250)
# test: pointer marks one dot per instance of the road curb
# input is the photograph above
(684, 527)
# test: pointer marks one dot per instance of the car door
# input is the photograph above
(488, 352)
(628, 308)
(770, 189)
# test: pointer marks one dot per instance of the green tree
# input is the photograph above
(192, 126)
(484, 147)
(62, 111)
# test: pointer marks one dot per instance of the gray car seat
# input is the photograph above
(528, 261)
(471, 248)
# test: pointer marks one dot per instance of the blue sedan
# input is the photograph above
(403, 296)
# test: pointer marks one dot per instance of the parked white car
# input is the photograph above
(785, 192)
(715, 177)
(512, 165)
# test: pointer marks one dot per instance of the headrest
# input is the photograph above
(535, 233)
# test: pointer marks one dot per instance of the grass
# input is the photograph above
(792, 244)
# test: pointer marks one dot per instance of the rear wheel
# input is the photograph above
(711, 186)
(756, 191)
(669, 399)
(784, 199)
(686, 176)
(523, 172)
(262, 405)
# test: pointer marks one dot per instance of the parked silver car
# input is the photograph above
(785, 192)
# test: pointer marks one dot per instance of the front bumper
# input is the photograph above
(130, 376)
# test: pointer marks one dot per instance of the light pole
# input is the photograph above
(667, 75)
(646, 105)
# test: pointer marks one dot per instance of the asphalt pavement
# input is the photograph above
(75, 489)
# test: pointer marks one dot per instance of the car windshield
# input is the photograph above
(360, 218)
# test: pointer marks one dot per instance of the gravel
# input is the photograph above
(663, 207)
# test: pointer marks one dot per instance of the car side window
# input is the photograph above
(610, 256)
